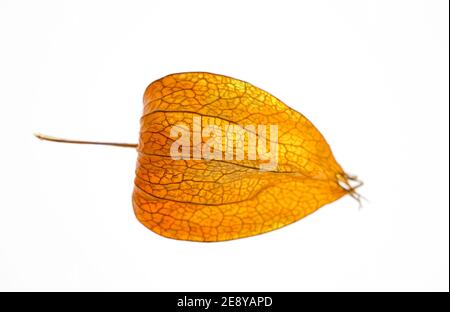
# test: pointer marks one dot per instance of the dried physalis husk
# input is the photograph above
(214, 188)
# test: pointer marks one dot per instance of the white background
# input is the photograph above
(371, 75)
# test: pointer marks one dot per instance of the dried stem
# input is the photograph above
(60, 140)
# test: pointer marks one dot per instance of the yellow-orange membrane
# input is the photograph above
(212, 200)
